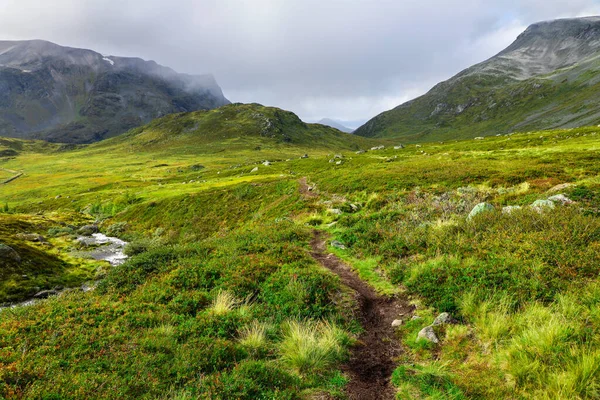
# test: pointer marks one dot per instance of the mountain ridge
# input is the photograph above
(547, 78)
(66, 94)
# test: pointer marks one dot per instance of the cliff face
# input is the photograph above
(72, 95)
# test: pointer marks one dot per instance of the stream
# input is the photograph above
(105, 248)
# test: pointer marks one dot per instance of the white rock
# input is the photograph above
(396, 323)
(428, 334)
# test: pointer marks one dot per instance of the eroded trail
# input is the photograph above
(372, 360)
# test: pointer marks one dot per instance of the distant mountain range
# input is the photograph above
(335, 124)
(548, 78)
(64, 94)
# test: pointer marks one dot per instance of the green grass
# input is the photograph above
(221, 298)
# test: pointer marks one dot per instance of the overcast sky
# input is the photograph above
(342, 59)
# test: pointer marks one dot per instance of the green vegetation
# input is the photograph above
(222, 299)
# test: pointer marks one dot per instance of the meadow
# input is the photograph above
(222, 299)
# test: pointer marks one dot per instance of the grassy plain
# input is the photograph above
(224, 301)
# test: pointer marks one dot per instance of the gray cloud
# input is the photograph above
(345, 59)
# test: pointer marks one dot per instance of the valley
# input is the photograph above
(226, 294)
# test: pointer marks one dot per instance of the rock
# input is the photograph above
(479, 138)
(31, 237)
(361, 152)
(396, 323)
(255, 169)
(8, 253)
(399, 147)
(428, 334)
(560, 187)
(560, 198)
(266, 163)
(541, 205)
(88, 230)
(338, 245)
(443, 318)
(510, 209)
(57, 197)
(378, 147)
(415, 317)
(418, 145)
(338, 156)
(479, 209)
(44, 294)
(338, 163)
(304, 156)
(335, 211)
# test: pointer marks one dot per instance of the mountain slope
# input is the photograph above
(548, 78)
(335, 124)
(63, 94)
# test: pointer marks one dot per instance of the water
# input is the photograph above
(108, 248)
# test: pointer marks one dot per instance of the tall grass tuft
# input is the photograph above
(254, 336)
(311, 346)
(223, 302)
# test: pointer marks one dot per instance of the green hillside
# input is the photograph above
(252, 279)
(548, 78)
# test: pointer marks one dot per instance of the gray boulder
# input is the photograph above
(560, 198)
(8, 253)
(428, 334)
(88, 230)
(338, 245)
(442, 319)
(480, 209)
(541, 205)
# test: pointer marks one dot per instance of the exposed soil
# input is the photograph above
(305, 189)
(372, 359)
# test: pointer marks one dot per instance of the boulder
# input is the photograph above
(8, 253)
(541, 205)
(480, 209)
(88, 230)
(31, 237)
(338, 245)
(442, 319)
(428, 334)
(560, 187)
(266, 163)
(560, 198)
(396, 323)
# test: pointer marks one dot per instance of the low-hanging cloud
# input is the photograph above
(344, 59)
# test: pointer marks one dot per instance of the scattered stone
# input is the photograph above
(479, 138)
(31, 237)
(44, 294)
(443, 318)
(428, 334)
(378, 147)
(560, 198)
(338, 163)
(354, 207)
(510, 209)
(338, 245)
(396, 323)
(418, 145)
(541, 205)
(88, 230)
(361, 152)
(415, 317)
(266, 163)
(57, 197)
(8, 253)
(255, 169)
(304, 156)
(479, 209)
(335, 211)
(399, 147)
(338, 156)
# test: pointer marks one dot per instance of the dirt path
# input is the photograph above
(372, 360)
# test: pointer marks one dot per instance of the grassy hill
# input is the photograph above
(224, 297)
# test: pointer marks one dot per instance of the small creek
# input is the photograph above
(103, 248)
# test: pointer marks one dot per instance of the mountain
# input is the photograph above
(335, 124)
(548, 78)
(63, 94)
